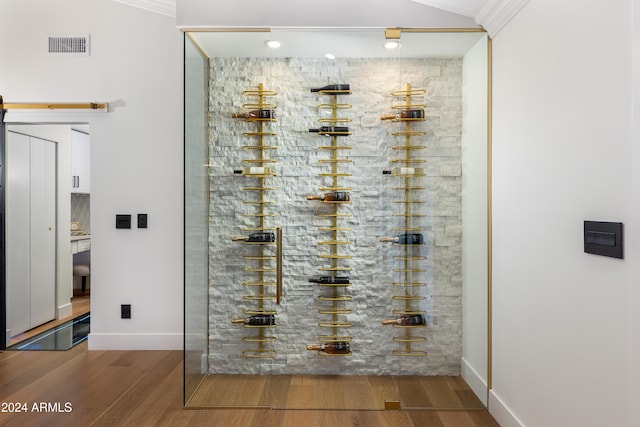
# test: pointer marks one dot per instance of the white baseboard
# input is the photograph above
(64, 311)
(99, 341)
(475, 381)
(501, 412)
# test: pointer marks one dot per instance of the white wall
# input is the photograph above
(136, 151)
(562, 154)
(474, 219)
(634, 233)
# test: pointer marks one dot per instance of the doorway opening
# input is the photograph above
(48, 283)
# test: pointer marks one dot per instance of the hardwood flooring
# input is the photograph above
(80, 305)
(144, 388)
(343, 392)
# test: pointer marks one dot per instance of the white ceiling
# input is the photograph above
(493, 15)
(316, 43)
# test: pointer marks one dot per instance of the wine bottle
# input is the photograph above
(330, 88)
(332, 347)
(407, 320)
(405, 171)
(336, 196)
(329, 280)
(256, 237)
(405, 114)
(257, 320)
(330, 129)
(255, 114)
(405, 239)
(254, 170)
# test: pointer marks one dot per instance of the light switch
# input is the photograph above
(142, 220)
(123, 221)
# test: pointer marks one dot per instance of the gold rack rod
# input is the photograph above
(334, 120)
(408, 92)
(259, 134)
(335, 174)
(335, 188)
(405, 353)
(259, 147)
(335, 229)
(335, 285)
(335, 92)
(407, 106)
(411, 284)
(53, 106)
(340, 298)
(412, 338)
(410, 187)
(406, 312)
(260, 161)
(335, 324)
(259, 283)
(335, 338)
(248, 311)
(335, 147)
(335, 161)
(407, 161)
(259, 92)
(408, 298)
(336, 106)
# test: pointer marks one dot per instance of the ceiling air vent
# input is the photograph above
(77, 45)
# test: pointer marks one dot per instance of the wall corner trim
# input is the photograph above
(496, 14)
(163, 7)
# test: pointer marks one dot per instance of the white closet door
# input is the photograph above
(18, 257)
(31, 234)
(43, 231)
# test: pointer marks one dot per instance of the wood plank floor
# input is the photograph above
(343, 392)
(80, 305)
(144, 388)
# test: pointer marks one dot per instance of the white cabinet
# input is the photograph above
(80, 162)
(31, 231)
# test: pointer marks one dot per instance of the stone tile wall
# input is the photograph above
(372, 209)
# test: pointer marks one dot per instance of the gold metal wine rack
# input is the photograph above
(408, 291)
(334, 295)
(263, 264)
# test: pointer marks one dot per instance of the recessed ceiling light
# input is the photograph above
(392, 45)
(330, 56)
(273, 44)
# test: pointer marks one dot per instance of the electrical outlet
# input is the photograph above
(125, 311)
(142, 220)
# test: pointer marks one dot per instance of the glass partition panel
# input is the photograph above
(196, 201)
(338, 257)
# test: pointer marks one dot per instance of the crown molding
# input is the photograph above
(496, 14)
(163, 7)
(468, 8)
